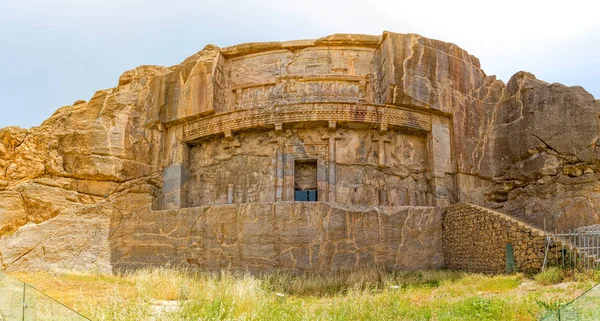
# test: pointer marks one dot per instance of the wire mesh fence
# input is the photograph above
(584, 308)
(575, 249)
(20, 301)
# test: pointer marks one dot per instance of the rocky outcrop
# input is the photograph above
(63, 182)
(538, 156)
(390, 121)
(528, 148)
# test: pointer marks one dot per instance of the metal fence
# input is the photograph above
(20, 301)
(579, 248)
(576, 249)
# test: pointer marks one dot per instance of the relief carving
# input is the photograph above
(297, 113)
(352, 166)
(291, 90)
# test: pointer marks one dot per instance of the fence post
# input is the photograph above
(562, 253)
(546, 247)
(23, 303)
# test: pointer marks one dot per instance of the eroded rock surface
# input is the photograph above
(285, 235)
(362, 121)
(62, 183)
(539, 158)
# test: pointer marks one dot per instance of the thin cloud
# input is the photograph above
(53, 52)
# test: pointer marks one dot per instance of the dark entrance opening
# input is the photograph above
(305, 180)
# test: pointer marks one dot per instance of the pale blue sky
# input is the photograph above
(54, 52)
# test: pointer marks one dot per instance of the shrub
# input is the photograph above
(552, 275)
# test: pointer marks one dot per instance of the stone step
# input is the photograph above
(585, 253)
(506, 217)
(565, 243)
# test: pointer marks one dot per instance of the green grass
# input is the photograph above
(364, 294)
(552, 275)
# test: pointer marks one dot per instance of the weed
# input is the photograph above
(357, 294)
(552, 275)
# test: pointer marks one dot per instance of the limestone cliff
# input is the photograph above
(62, 183)
(529, 148)
(535, 154)
(71, 187)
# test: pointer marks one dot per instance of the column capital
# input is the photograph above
(228, 135)
(279, 128)
(332, 125)
(381, 136)
(232, 143)
(331, 135)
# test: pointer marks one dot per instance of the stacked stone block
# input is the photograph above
(475, 239)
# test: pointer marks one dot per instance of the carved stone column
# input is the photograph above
(230, 188)
(381, 138)
(276, 138)
(279, 173)
(288, 174)
(231, 143)
(331, 136)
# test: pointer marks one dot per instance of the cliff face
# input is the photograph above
(542, 155)
(528, 148)
(63, 182)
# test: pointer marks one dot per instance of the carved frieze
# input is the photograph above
(295, 113)
(295, 89)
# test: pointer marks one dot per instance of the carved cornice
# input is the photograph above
(307, 112)
(344, 40)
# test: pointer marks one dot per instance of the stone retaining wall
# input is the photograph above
(281, 236)
(475, 239)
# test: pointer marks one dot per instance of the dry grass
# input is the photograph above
(365, 294)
